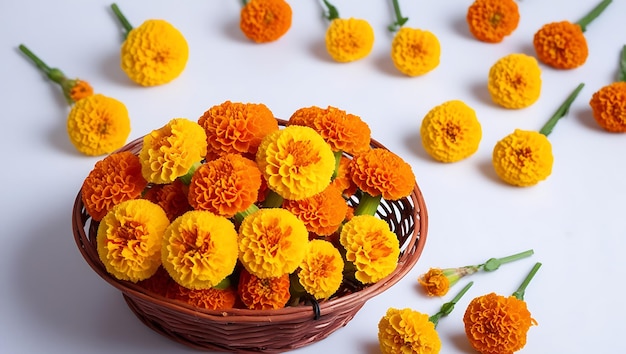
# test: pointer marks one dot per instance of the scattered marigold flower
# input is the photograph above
(263, 293)
(609, 107)
(347, 39)
(129, 239)
(170, 151)
(492, 20)
(154, 53)
(265, 20)
(414, 51)
(208, 299)
(114, 179)
(322, 213)
(321, 270)
(272, 242)
(200, 249)
(381, 172)
(296, 162)
(172, 197)
(235, 127)
(98, 125)
(451, 131)
(407, 331)
(515, 81)
(371, 247)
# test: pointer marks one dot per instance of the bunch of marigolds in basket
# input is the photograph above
(234, 210)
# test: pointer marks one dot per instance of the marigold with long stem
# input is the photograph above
(98, 125)
(515, 81)
(154, 53)
(265, 21)
(322, 213)
(347, 39)
(129, 239)
(321, 270)
(263, 293)
(608, 104)
(114, 179)
(199, 249)
(451, 131)
(492, 20)
(172, 197)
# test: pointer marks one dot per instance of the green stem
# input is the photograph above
(338, 155)
(495, 263)
(244, 2)
(519, 293)
(622, 66)
(273, 200)
(53, 74)
(186, 178)
(447, 308)
(585, 21)
(242, 214)
(332, 13)
(400, 21)
(561, 112)
(123, 20)
(368, 204)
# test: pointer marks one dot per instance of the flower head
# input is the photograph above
(343, 179)
(561, 45)
(209, 299)
(272, 242)
(113, 180)
(172, 197)
(296, 162)
(263, 293)
(265, 20)
(170, 151)
(129, 239)
(322, 213)
(523, 158)
(608, 105)
(321, 270)
(199, 249)
(515, 81)
(78, 89)
(98, 125)
(451, 131)
(381, 172)
(492, 20)
(407, 331)
(414, 51)
(371, 247)
(349, 39)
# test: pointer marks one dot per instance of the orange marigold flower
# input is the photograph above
(235, 127)
(296, 162)
(129, 239)
(80, 89)
(515, 81)
(371, 247)
(114, 179)
(170, 151)
(199, 249)
(414, 51)
(209, 299)
(349, 39)
(321, 271)
(343, 131)
(322, 213)
(225, 186)
(523, 158)
(98, 125)
(272, 242)
(172, 197)
(263, 293)
(265, 20)
(343, 179)
(381, 172)
(435, 282)
(609, 107)
(407, 331)
(492, 20)
(561, 45)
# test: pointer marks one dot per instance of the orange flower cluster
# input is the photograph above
(492, 20)
(265, 20)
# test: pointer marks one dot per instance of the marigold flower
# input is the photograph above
(172, 197)
(451, 131)
(608, 105)
(414, 51)
(209, 299)
(154, 53)
(407, 331)
(129, 239)
(272, 242)
(200, 249)
(523, 158)
(265, 20)
(235, 127)
(492, 20)
(347, 39)
(371, 247)
(113, 180)
(170, 151)
(98, 125)
(322, 213)
(381, 172)
(343, 179)
(159, 283)
(296, 162)
(321, 271)
(263, 293)
(515, 81)
(225, 186)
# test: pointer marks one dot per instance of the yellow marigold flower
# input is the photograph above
(272, 242)
(451, 131)
(114, 179)
(321, 271)
(263, 293)
(349, 39)
(98, 125)
(209, 299)
(492, 20)
(322, 213)
(515, 81)
(172, 197)
(265, 20)
(608, 105)
(407, 331)
(296, 162)
(414, 51)
(129, 239)
(235, 127)
(199, 249)
(170, 151)
(371, 247)
(381, 172)
(523, 158)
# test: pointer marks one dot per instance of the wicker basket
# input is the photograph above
(255, 331)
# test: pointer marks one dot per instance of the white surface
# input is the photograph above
(52, 302)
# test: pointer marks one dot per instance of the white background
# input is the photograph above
(52, 302)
